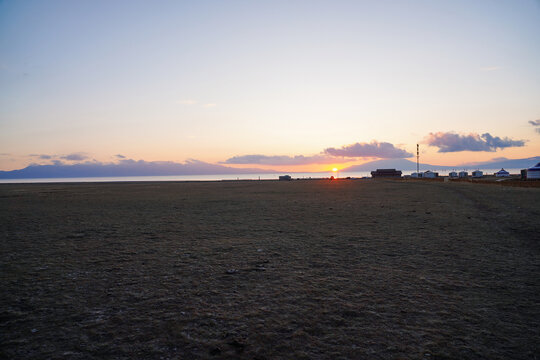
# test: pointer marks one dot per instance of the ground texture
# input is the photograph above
(351, 269)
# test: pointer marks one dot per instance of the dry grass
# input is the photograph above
(269, 270)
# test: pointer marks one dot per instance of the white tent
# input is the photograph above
(477, 174)
(430, 174)
(534, 172)
(502, 173)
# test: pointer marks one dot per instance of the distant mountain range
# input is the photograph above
(124, 168)
(128, 167)
(508, 163)
(403, 164)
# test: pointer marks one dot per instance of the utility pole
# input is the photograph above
(417, 159)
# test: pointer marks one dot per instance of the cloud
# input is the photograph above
(120, 156)
(490, 68)
(280, 159)
(382, 150)
(187, 102)
(42, 156)
(209, 105)
(74, 157)
(70, 157)
(452, 142)
(535, 123)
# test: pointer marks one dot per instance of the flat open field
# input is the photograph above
(270, 270)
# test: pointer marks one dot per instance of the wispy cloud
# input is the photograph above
(452, 142)
(382, 150)
(536, 124)
(77, 156)
(120, 156)
(42, 156)
(281, 159)
(74, 157)
(210, 105)
(490, 68)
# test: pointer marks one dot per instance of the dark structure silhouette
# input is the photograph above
(387, 173)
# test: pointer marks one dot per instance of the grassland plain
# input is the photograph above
(356, 269)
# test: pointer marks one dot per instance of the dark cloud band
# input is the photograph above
(74, 157)
(382, 150)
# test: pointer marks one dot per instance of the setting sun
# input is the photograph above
(334, 169)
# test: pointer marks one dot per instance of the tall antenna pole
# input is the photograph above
(417, 159)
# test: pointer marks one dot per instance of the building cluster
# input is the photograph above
(425, 175)
(464, 174)
(532, 173)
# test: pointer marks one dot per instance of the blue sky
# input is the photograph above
(216, 80)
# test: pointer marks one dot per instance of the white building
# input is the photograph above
(430, 174)
(477, 174)
(502, 173)
(534, 172)
(453, 175)
(463, 174)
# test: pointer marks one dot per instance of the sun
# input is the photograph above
(335, 169)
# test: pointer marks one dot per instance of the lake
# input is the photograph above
(220, 177)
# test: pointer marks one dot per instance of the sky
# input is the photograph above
(284, 85)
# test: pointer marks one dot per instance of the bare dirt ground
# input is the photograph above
(357, 269)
